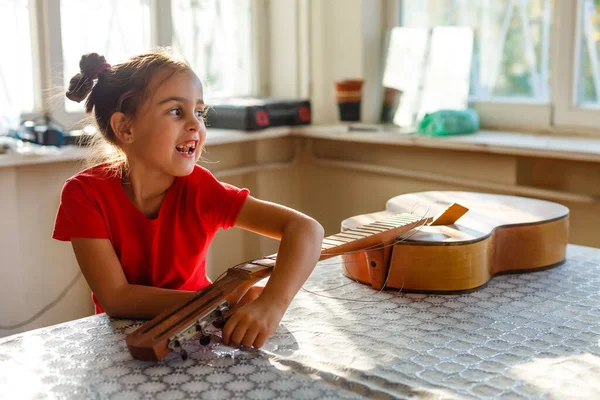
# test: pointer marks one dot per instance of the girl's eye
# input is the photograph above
(201, 113)
(175, 111)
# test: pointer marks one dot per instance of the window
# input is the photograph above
(16, 70)
(216, 36)
(536, 63)
(511, 42)
(117, 30)
(213, 36)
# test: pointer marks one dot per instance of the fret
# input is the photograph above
(339, 238)
(367, 231)
(326, 246)
(384, 226)
(400, 222)
(350, 235)
(371, 227)
(335, 242)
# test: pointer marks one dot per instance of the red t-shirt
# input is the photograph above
(167, 252)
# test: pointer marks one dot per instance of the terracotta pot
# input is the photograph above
(349, 90)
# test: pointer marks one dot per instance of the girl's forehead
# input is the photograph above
(180, 84)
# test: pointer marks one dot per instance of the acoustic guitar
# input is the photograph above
(477, 236)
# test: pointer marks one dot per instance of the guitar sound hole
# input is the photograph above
(373, 264)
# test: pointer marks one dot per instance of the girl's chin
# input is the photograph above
(183, 168)
(184, 171)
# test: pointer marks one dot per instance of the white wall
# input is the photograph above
(313, 43)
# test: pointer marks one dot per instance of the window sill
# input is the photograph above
(497, 142)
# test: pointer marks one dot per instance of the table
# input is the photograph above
(534, 335)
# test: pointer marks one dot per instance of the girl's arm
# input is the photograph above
(301, 239)
(104, 274)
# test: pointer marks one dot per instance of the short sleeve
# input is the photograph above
(78, 215)
(237, 197)
(223, 201)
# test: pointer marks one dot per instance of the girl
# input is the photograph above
(140, 222)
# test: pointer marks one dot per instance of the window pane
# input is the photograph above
(589, 69)
(115, 29)
(215, 36)
(511, 46)
(16, 68)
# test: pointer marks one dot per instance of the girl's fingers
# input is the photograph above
(229, 328)
(238, 334)
(261, 339)
(250, 336)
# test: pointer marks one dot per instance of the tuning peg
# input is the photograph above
(223, 309)
(204, 339)
(219, 323)
(182, 352)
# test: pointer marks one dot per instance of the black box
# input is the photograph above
(254, 113)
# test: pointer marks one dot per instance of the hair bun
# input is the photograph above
(90, 64)
(82, 83)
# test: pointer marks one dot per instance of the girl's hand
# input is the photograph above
(253, 323)
(251, 295)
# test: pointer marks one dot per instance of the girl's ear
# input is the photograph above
(120, 126)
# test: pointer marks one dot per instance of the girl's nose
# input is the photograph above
(193, 125)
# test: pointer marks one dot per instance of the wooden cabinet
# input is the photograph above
(326, 175)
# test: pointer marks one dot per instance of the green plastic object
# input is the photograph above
(449, 122)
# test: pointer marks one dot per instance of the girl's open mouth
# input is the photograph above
(187, 148)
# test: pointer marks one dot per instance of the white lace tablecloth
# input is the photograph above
(533, 335)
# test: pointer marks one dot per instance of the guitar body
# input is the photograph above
(499, 234)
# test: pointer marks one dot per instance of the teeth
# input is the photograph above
(186, 147)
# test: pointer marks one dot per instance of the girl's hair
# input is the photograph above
(118, 88)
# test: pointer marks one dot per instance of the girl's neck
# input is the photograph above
(146, 189)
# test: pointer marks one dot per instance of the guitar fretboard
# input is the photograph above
(394, 223)
(379, 232)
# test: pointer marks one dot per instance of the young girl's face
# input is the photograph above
(169, 132)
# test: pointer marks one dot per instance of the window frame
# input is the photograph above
(49, 99)
(568, 53)
(36, 29)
